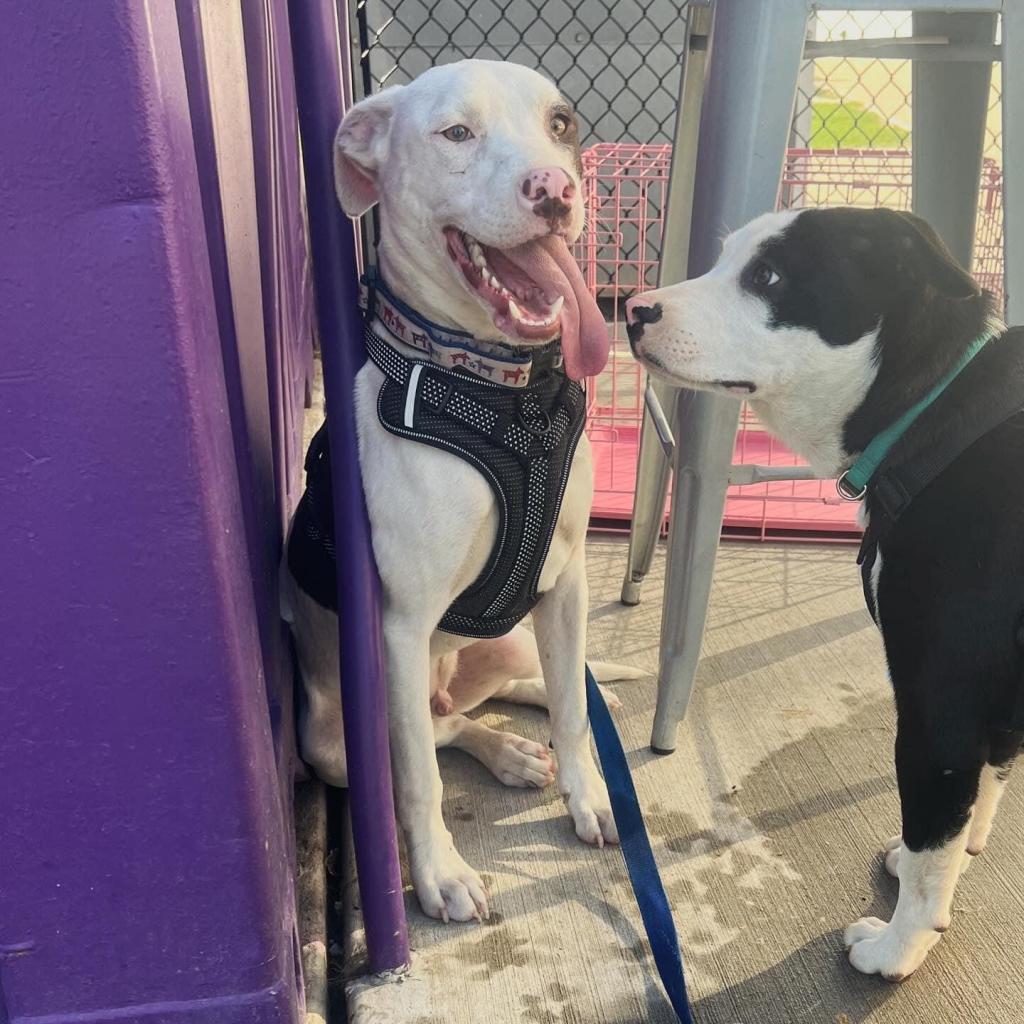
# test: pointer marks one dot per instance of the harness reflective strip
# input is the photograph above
(410, 394)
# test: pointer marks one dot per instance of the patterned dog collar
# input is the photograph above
(496, 362)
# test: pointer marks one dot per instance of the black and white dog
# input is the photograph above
(838, 325)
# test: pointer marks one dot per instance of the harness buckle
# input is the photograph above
(847, 491)
(541, 424)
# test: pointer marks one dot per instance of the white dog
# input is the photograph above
(476, 170)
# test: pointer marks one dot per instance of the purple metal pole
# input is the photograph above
(318, 75)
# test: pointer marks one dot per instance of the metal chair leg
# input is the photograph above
(754, 62)
(652, 470)
(652, 476)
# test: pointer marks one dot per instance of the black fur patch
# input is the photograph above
(845, 272)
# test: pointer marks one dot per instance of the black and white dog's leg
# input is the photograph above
(990, 791)
(938, 780)
(991, 786)
(446, 886)
(560, 624)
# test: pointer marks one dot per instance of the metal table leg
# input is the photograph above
(753, 65)
(951, 98)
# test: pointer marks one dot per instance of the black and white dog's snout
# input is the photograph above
(637, 316)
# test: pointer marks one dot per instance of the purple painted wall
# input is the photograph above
(144, 833)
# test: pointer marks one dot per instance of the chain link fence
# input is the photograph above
(620, 63)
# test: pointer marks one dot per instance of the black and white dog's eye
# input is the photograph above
(764, 277)
(457, 133)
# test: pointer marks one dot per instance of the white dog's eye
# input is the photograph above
(559, 124)
(457, 133)
(764, 277)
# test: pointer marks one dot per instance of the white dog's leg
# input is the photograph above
(447, 887)
(511, 759)
(321, 736)
(535, 693)
(560, 622)
(509, 668)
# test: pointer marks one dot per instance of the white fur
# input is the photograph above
(712, 330)
(876, 576)
(425, 182)
(927, 883)
(991, 787)
(433, 516)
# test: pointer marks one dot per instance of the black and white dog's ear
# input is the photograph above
(925, 255)
(360, 149)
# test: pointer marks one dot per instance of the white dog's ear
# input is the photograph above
(360, 149)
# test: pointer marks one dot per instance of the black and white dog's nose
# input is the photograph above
(638, 314)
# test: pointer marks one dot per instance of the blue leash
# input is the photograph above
(636, 848)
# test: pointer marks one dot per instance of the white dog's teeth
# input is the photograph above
(515, 311)
(478, 257)
(556, 307)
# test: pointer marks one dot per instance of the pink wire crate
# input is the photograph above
(626, 187)
(988, 245)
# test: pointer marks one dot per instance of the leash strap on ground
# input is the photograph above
(636, 848)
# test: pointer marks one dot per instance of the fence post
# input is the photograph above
(321, 61)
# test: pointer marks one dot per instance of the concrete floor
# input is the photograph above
(767, 823)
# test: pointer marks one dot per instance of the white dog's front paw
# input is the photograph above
(447, 887)
(586, 796)
(878, 948)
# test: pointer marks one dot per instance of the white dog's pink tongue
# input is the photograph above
(585, 341)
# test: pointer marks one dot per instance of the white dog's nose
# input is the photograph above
(548, 192)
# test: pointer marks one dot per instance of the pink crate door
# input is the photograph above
(626, 187)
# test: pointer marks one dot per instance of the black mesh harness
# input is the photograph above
(520, 439)
(944, 433)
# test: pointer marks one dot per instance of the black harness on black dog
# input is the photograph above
(520, 437)
(958, 419)
(949, 425)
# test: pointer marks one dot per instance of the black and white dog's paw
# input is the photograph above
(875, 947)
